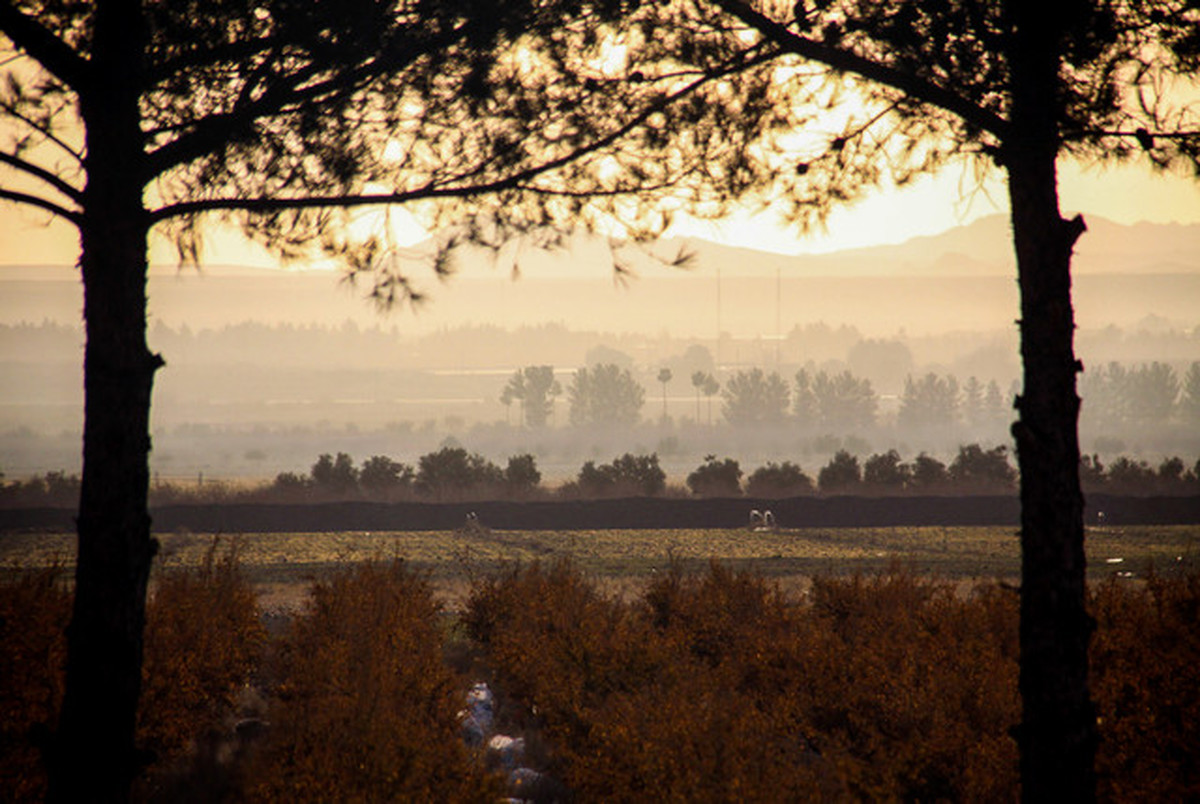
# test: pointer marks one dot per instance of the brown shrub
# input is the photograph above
(366, 709)
(34, 610)
(717, 687)
(203, 643)
(918, 688)
(1146, 686)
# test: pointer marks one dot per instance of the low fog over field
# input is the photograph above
(268, 369)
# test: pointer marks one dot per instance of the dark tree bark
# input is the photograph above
(1057, 735)
(93, 757)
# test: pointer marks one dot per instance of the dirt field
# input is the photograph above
(282, 565)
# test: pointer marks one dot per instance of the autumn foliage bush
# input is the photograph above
(365, 708)
(712, 686)
(718, 687)
(204, 639)
(1146, 687)
(34, 610)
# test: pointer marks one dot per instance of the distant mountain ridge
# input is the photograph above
(980, 248)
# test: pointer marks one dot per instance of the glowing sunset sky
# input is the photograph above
(1124, 195)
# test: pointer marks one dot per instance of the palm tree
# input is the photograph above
(711, 386)
(698, 378)
(664, 376)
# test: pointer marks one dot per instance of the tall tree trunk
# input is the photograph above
(1057, 735)
(93, 756)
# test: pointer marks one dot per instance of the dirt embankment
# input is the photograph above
(633, 513)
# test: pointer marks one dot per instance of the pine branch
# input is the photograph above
(443, 189)
(37, 172)
(915, 87)
(50, 51)
(44, 131)
(293, 91)
(41, 203)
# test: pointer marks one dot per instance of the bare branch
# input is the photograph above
(1141, 134)
(50, 51)
(41, 173)
(915, 87)
(41, 203)
(50, 136)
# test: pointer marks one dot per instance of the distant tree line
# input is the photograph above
(1127, 475)
(1121, 398)
(451, 473)
(1116, 398)
(974, 470)
(607, 394)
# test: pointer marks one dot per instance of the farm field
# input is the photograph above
(282, 565)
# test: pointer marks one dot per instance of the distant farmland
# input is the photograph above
(283, 564)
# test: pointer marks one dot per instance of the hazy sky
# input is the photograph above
(1125, 195)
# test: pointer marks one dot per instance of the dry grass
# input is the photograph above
(281, 566)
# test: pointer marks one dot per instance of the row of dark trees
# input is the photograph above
(447, 474)
(453, 473)
(974, 470)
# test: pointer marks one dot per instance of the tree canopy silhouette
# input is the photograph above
(896, 90)
(123, 116)
(131, 115)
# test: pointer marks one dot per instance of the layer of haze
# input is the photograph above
(267, 368)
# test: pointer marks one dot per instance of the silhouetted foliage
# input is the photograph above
(54, 488)
(536, 389)
(290, 484)
(1120, 398)
(929, 474)
(1189, 400)
(972, 403)
(337, 475)
(1091, 473)
(886, 472)
(715, 478)
(888, 362)
(627, 476)
(452, 473)
(804, 401)
(380, 475)
(977, 469)
(521, 476)
(841, 475)
(778, 480)
(664, 377)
